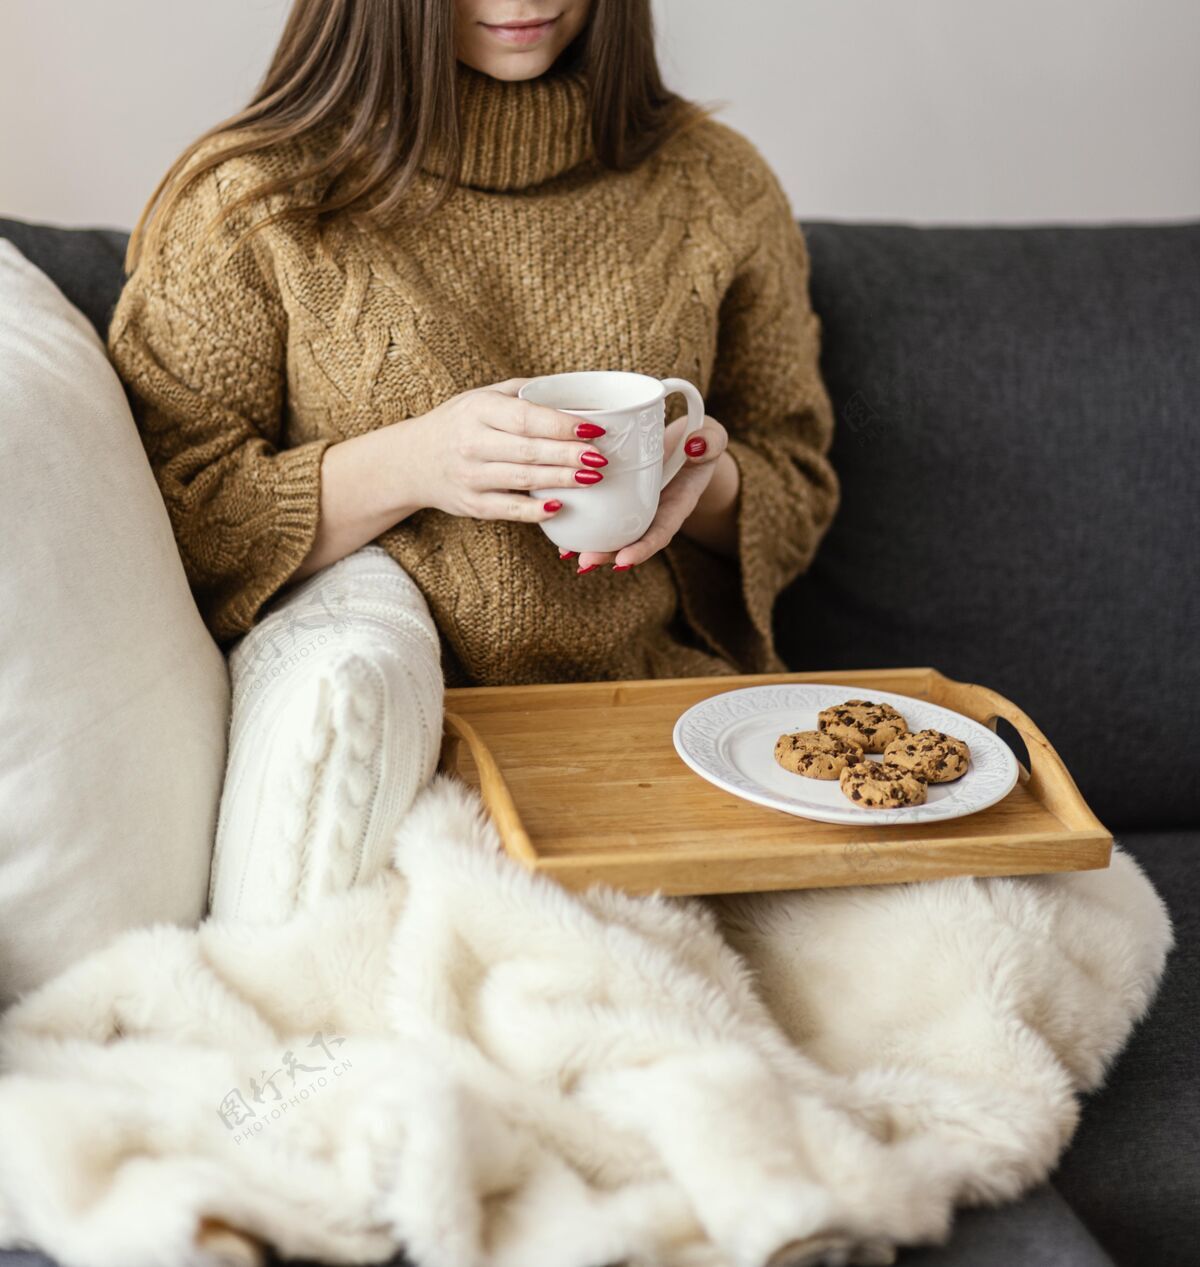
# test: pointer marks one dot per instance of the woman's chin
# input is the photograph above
(512, 65)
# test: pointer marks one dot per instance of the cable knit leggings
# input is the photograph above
(336, 725)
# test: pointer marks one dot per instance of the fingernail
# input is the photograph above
(591, 567)
(567, 554)
(696, 447)
(588, 477)
(622, 567)
(552, 506)
(592, 458)
(588, 431)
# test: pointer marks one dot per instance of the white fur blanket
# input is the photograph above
(468, 1062)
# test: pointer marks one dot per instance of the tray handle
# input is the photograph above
(493, 789)
(1047, 778)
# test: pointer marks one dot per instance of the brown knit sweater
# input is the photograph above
(244, 369)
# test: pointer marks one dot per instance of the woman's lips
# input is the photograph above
(521, 33)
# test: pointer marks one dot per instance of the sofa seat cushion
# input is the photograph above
(1018, 419)
(1132, 1173)
(1125, 1191)
(1040, 1230)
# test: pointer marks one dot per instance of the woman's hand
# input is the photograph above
(473, 454)
(465, 457)
(700, 501)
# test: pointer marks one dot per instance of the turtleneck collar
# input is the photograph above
(517, 134)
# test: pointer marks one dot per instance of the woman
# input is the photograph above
(332, 295)
(466, 192)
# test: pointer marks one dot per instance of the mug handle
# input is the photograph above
(695, 420)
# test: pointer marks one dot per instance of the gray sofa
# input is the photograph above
(1019, 444)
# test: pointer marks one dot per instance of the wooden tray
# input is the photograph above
(584, 785)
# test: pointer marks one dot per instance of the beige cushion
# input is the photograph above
(113, 697)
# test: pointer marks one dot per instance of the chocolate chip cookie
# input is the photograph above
(869, 726)
(930, 755)
(873, 786)
(815, 755)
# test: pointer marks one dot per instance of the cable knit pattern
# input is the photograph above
(246, 361)
(336, 725)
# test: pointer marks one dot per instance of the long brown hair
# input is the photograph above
(382, 73)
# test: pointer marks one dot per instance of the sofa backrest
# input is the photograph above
(87, 265)
(1019, 418)
(1019, 449)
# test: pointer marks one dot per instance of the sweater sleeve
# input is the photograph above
(766, 389)
(199, 339)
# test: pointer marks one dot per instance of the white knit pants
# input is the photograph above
(336, 725)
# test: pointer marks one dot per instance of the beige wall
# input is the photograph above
(931, 110)
(962, 110)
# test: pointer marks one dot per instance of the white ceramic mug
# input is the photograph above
(632, 410)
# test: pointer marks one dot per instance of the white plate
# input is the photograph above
(729, 739)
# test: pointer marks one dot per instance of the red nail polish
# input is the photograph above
(588, 431)
(588, 477)
(591, 458)
(696, 447)
(567, 554)
(552, 506)
(591, 567)
(622, 567)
